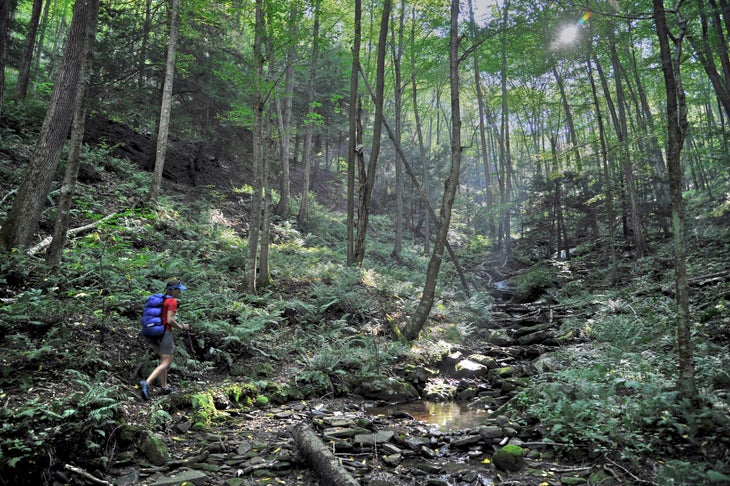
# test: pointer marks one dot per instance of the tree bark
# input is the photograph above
(484, 153)
(21, 88)
(166, 105)
(568, 115)
(708, 51)
(22, 219)
(418, 320)
(309, 129)
(324, 463)
(423, 195)
(73, 162)
(352, 146)
(4, 40)
(397, 52)
(254, 229)
(622, 133)
(367, 179)
(676, 131)
(142, 60)
(608, 189)
(284, 114)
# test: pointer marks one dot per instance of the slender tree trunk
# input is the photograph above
(614, 276)
(41, 38)
(4, 40)
(21, 88)
(263, 279)
(568, 117)
(397, 50)
(142, 60)
(646, 124)
(505, 133)
(622, 132)
(254, 230)
(423, 195)
(416, 323)
(484, 154)
(285, 113)
(352, 146)
(676, 131)
(309, 130)
(713, 45)
(22, 219)
(55, 250)
(367, 179)
(166, 105)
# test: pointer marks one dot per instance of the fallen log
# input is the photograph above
(329, 469)
(46, 242)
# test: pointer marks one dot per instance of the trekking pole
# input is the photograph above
(190, 341)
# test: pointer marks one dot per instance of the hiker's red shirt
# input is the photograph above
(170, 304)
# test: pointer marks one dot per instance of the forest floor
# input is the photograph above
(256, 445)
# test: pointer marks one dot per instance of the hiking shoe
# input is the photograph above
(167, 390)
(144, 390)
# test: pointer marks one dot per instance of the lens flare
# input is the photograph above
(585, 18)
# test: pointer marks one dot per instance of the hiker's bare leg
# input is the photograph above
(161, 370)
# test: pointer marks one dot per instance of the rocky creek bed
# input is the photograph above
(372, 441)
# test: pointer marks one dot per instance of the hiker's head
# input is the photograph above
(174, 287)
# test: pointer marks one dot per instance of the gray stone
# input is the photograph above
(465, 441)
(467, 368)
(373, 439)
(179, 477)
(388, 389)
(393, 460)
(491, 432)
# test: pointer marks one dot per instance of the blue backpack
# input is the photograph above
(152, 316)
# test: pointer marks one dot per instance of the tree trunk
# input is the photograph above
(263, 279)
(606, 178)
(73, 162)
(423, 213)
(711, 46)
(484, 153)
(622, 133)
(21, 88)
(352, 145)
(22, 219)
(142, 61)
(367, 179)
(41, 38)
(254, 229)
(422, 194)
(284, 114)
(676, 131)
(416, 323)
(166, 104)
(324, 463)
(568, 116)
(4, 40)
(309, 129)
(397, 51)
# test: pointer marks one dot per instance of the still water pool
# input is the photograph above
(446, 416)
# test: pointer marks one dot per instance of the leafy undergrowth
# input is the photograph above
(72, 354)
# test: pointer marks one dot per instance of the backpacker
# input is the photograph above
(152, 316)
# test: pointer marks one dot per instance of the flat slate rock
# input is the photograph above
(189, 476)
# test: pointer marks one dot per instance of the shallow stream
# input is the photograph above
(445, 416)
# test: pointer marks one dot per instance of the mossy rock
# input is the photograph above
(509, 458)
(127, 435)
(154, 448)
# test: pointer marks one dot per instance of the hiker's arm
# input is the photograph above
(171, 320)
